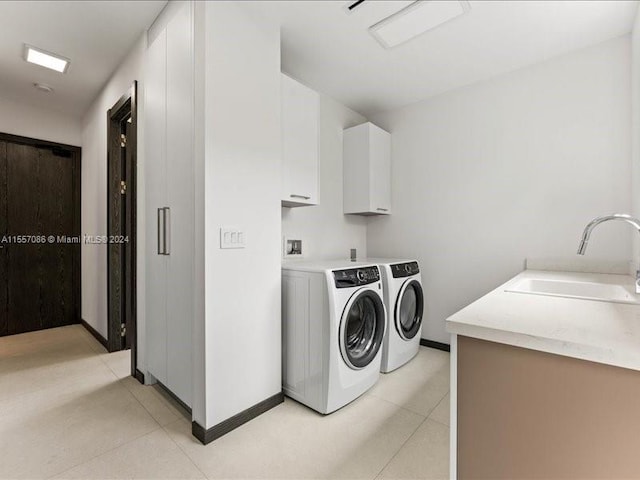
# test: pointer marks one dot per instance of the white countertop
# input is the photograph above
(591, 330)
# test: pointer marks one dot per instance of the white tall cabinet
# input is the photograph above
(300, 166)
(169, 204)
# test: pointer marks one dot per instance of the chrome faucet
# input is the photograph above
(597, 221)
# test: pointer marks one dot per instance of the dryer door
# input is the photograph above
(409, 308)
(362, 328)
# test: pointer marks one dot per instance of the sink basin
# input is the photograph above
(603, 292)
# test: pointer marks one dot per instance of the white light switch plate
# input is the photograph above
(232, 237)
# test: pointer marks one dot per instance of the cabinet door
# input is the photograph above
(180, 198)
(300, 112)
(379, 171)
(355, 170)
(155, 175)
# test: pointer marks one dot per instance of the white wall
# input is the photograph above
(241, 188)
(510, 168)
(326, 232)
(28, 121)
(635, 129)
(94, 192)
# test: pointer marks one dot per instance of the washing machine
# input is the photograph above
(404, 301)
(333, 326)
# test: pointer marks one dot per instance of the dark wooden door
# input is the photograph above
(40, 254)
(4, 284)
(121, 225)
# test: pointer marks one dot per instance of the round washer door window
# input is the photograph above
(362, 328)
(409, 307)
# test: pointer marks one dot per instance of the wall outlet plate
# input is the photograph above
(292, 247)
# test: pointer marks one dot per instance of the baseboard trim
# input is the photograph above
(139, 376)
(209, 435)
(95, 333)
(445, 347)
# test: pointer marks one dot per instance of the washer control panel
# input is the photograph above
(400, 270)
(355, 277)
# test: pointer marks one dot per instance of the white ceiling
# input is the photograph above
(94, 35)
(332, 51)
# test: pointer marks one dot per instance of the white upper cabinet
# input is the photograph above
(367, 170)
(300, 115)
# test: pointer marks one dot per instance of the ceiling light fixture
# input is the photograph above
(416, 19)
(45, 59)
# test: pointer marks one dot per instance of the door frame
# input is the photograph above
(126, 106)
(76, 158)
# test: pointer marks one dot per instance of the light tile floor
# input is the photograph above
(68, 409)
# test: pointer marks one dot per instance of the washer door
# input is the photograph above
(362, 328)
(409, 308)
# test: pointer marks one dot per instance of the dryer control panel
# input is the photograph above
(400, 270)
(355, 277)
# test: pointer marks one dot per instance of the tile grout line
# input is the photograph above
(40, 389)
(427, 417)
(119, 382)
(177, 410)
(184, 451)
(148, 411)
(433, 409)
(434, 419)
(408, 409)
(400, 449)
(439, 422)
(104, 453)
(93, 353)
(396, 405)
(159, 426)
(88, 341)
(377, 477)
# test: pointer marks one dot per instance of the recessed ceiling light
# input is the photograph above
(45, 59)
(418, 18)
(43, 87)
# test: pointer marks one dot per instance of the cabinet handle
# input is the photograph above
(304, 197)
(167, 231)
(382, 209)
(164, 231)
(160, 231)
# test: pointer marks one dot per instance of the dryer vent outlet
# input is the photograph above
(293, 247)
